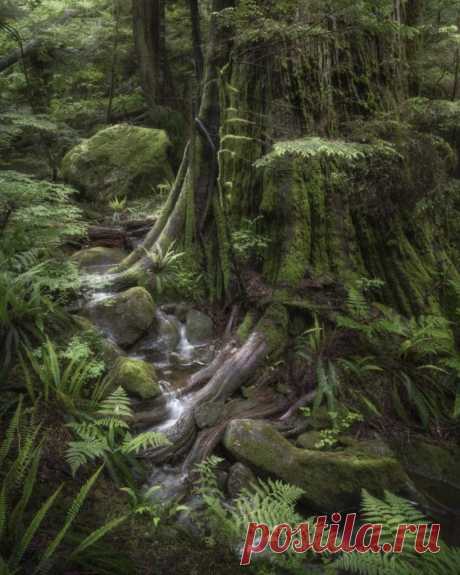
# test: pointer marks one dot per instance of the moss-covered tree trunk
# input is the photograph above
(191, 214)
(280, 139)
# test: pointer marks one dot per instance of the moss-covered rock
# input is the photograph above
(136, 376)
(200, 327)
(98, 256)
(124, 317)
(331, 479)
(122, 160)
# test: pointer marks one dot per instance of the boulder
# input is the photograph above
(200, 328)
(331, 480)
(168, 329)
(119, 161)
(124, 317)
(136, 376)
(239, 477)
(98, 256)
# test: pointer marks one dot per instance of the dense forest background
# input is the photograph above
(229, 279)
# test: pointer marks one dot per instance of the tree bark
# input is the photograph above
(197, 40)
(196, 182)
(147, 23)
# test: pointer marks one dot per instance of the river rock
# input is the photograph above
(331, 480)
(239, 477)
(200, 327)
(125, 317)
(119, 161)
(208, 414)
(136, 376)
(168, 329)
(98, 256)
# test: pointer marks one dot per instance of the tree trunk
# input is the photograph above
(197, 39)
(192, 206)
(147, 22)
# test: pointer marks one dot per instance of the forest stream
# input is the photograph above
(229, 287)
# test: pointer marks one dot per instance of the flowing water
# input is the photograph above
(174, 357)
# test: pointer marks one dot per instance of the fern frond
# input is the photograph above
(23, 544)
(80, 452)
(117, 405)
(45, 561)
(96, 535)
(10, 433)
(143, 441)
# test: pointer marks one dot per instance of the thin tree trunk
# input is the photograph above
(197, 40)
(147, 15)
(113, 66)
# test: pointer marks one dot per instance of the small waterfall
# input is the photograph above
(185, 348)
(175, 406)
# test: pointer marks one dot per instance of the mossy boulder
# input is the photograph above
(98, 256)
(331, 480)
(124, 317)
(136, 376)
(121, 160)
(200, 327)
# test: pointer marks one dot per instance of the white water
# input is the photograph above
(175, 405)
(185, 348)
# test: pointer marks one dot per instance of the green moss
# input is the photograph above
(137, 377)
(317, 472)
(246, 327)
(98, 256)
(120, 161)
(273, 325)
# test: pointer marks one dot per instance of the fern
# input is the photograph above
(391, 512)
(315, 147)
(143, 441)
(117, 405)
(17, 486)
(106, 436)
